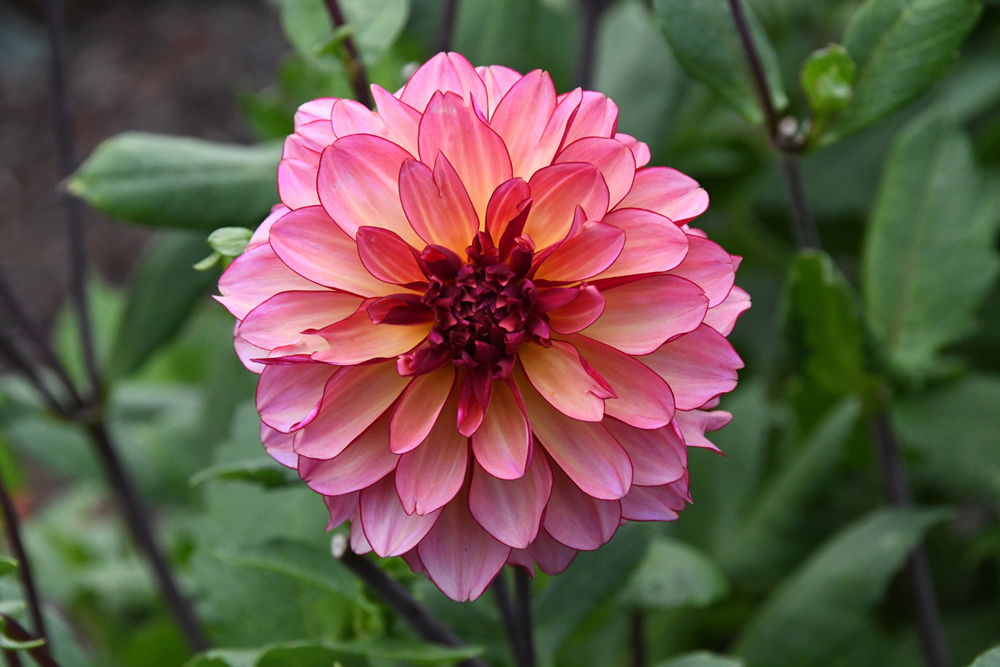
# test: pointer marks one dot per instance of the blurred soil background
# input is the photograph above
(172, 66)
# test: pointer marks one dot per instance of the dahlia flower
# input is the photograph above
(484, 329)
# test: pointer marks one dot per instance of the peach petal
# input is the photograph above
(578, 314)
(559, 376)
(445, 72)
(289, 397)
(400, 119)
(596, 117)
(693, 424)
(280, 320)
(511, 510)
(366, 460)
(429, 476)
(437, 205)
(256, 276)
(341, 508)
(653, 503)
(522, 116)
(639, 149)
(552, 557)
(498, 80)
(653, 244)
(583, 255)
(613, 158)
(388, 257)
(557, 191)
(709, 267)
(357, 340)
(668, 192)
(297, 183)
(698, 366)
(313, 110)
(389, 530)
(348, 117)
(418, 409)
(278, 446)
(502, 443)
(505, 204)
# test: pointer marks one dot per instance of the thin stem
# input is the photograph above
(12, 526)
(806, 235)
(511, 622)
(11, 658)
(356, 68)
(896, 485)
(137, 519)
(16, 631)
(399, 599)
(74, 214)
(756, 65)
(522, 593)
(447, 29)
(638, 639)
(590, 14)
(10, 352)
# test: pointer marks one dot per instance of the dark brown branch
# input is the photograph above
(12, 526)
(356, 68)
(396, 596)
(447, 30)
(16, 631)
(522, 593)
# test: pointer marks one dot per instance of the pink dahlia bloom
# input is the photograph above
(484, 329)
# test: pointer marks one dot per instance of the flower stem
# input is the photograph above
(16, 631)
(447, 30)
(638, 639)
(399, 599)
(12, 526)
(522, 592)
(511, 622)
(590, 14)
(356, 68)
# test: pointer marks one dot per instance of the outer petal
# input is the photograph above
(583, 255)
(280, 320)
(364, 462)
(341, 508)
(430, 475)
(437, 205)
(445, 72)
(502, 443)
(668, 192)
(560, 377)
(309, 242)
(353, 400)
(498, 80)
(613, 158)
(644, 399)
(653, 244)
(476, 152)
(709, 267)
(349, 117)
(586, 451)
(640, 316)
(289, 397)
(389, 530)
(247, 352)
(578, 520)
(297, 182)
(638, 148)
(401, 120)
(698, 366)
(359, 543)
(557, 191)
(521, 118)
(318, 109)
(653, 503)
(357, 340)
(693, 424)
(278, 445)
(658, 456)
(552, 557)
(419, 407)
(723, 317)
(596, 117)
(359, 185)
(511, 511)
(256, 276)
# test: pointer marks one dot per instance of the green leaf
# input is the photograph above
(989, 659)
(376, 25)
(162, 294)
(704, 39)
(224, 658)
(305, 654)
(674, 574)
(928, 259)
(902, 47)
(828, 81)
(167, 181)
(822, 607)
(421, 653)
(825, 324)
(8, 565)
(230, 241)
(264, 472)
(300, 561)
(702, 659)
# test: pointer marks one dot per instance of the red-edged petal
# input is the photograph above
(256, 276)
(693, 424)
(430, 475)
(280, 320)
(278, 446)
(247, 352)
(359, 543)
(348, 117)
(557, 191)
(388, 257)
(709, 267)
(389, 530)
(400, 119)
(341, 508)
(521, 118)
(723, 317)
(505, 204)
(653, 244)
(437, 205)
(658, 455)
(558, 375)
(354, 398)
(445, 72)
(583, 255)
(313, 110)
(476, 152)
(552, 557)
(502, 443)
(698, 366)
(511, 510)
(365, 461)
(357, 340)
(596, 117)
(289, 396)
(638, 148)
(612, 157)
(578, 314)
(668, 192)
(419, 407)
(297, 182)
(655, 503)
(640, 316)
(576, 519)
(498, 80)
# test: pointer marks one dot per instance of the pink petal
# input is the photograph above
(357, 340)
(278, 446)
(498, 80)
(318, 109)
(709, 267)
(388, 257)
(341, 508)
(596, 117)
(445, 72)
(437, 205)
(613, 158)
(505, 204)
(653, 244)
(476, 152)
(263, 230)
(644, 399)
(693, 424)
(511, 511)
(639, 149)
(552, 557)
(698, 366)
(459, 556)
(359, 185)
(652, 503)
(668, 192)
(557, 191)
(430, 475)
(400, 119)
(586, 451)
(289, 397)
(359, 543)
(502, 443)
(280, 320)
(309, 242)
(583, 255)
(365, 461)
(247, 352)
(348, 117)
(389, 530)
(578, 520)
(642, 315)
(256, 276)
(297, 183)
(419, 407)
(560, 377)
(355, 397)
(412, 558)
(521, 118)
(578, 314)
(723, 317)
(658, 455)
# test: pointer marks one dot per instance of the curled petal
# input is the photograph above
(576, 519)
(511, 510)
(388, 257)
(583, 255)
(709, 267)
(693, 424)
(583, 310)
(613, 158)
(280, 320)
(506, 203)
(668, 192)
(437, 205)
(559, 376)
(557, 191)
(278, 446)
(389, 530)
(658, 455)
(653, 244)
(429, 476)
(419, 407)
(502, 443)
(341, 508)
(723, 317)
(366, 461)
(445, 72)
(698, 366)
(289, 397)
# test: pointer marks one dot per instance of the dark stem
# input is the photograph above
(522, 593)
(138, 521)
(756, 65)
(590, 14)
(74, 214)
(16, 631)
(356, 68)
(10, 352)
(447, 29)
(11, 658)
(806, 235)
(399, 599)
(12, 526)
(638, 640)
(898, 493)
(511, 623)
